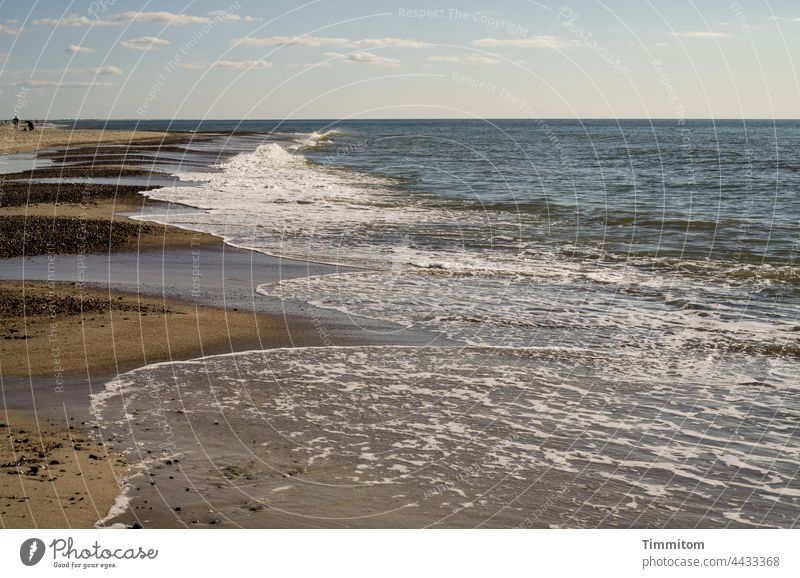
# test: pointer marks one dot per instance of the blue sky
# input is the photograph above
(339, 59)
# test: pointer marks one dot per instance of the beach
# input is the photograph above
(284, 269)
(69, 332)
(18, 141)
(53, 474)
(288, 335)
(104, 294)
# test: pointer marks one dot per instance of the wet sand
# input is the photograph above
(52, 474)
(68, 330)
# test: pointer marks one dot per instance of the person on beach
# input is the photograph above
(29, 123)
(15, 122)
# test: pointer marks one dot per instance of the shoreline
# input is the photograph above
(157, 294)
(82, 334)
(363, 432)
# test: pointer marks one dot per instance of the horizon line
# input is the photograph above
(319, 119)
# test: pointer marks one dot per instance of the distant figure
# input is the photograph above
(15, 122)
(30, 124)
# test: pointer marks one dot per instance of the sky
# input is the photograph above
(326, 59)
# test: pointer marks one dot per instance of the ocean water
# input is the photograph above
(626, 293)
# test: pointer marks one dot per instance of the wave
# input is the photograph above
(338, 215)
(315, 139)
(440, 269)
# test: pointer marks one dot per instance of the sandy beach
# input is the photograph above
(57, 333)
(258, 382)
(18, 141)
(71, 330)
(88, 293)
(322, 266)
(53, 474)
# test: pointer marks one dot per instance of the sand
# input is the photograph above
(13, 142)
(67, 330)
(52, 474)
(125, 235)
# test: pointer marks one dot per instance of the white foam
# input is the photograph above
(120, 506)
(436, 270)
(379, 411)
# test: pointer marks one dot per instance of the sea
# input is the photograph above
(622, 296)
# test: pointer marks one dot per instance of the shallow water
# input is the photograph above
(551, 436)
(22, 162)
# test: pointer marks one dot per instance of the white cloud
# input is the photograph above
(314, 41)
(73, 20)
(9, 30)
(160, 18)
(235, 64)
(242, 64)
(144, 43)
(75, 49)
(318, 41)
(702, 34)
(365, 57)
(465, 59)
(383, 42)
(125, 18)
(61, 84)
(530, 42)
(103, 70)
(315, 64)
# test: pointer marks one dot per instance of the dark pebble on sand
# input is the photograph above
(20, 194)
(38, 235)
